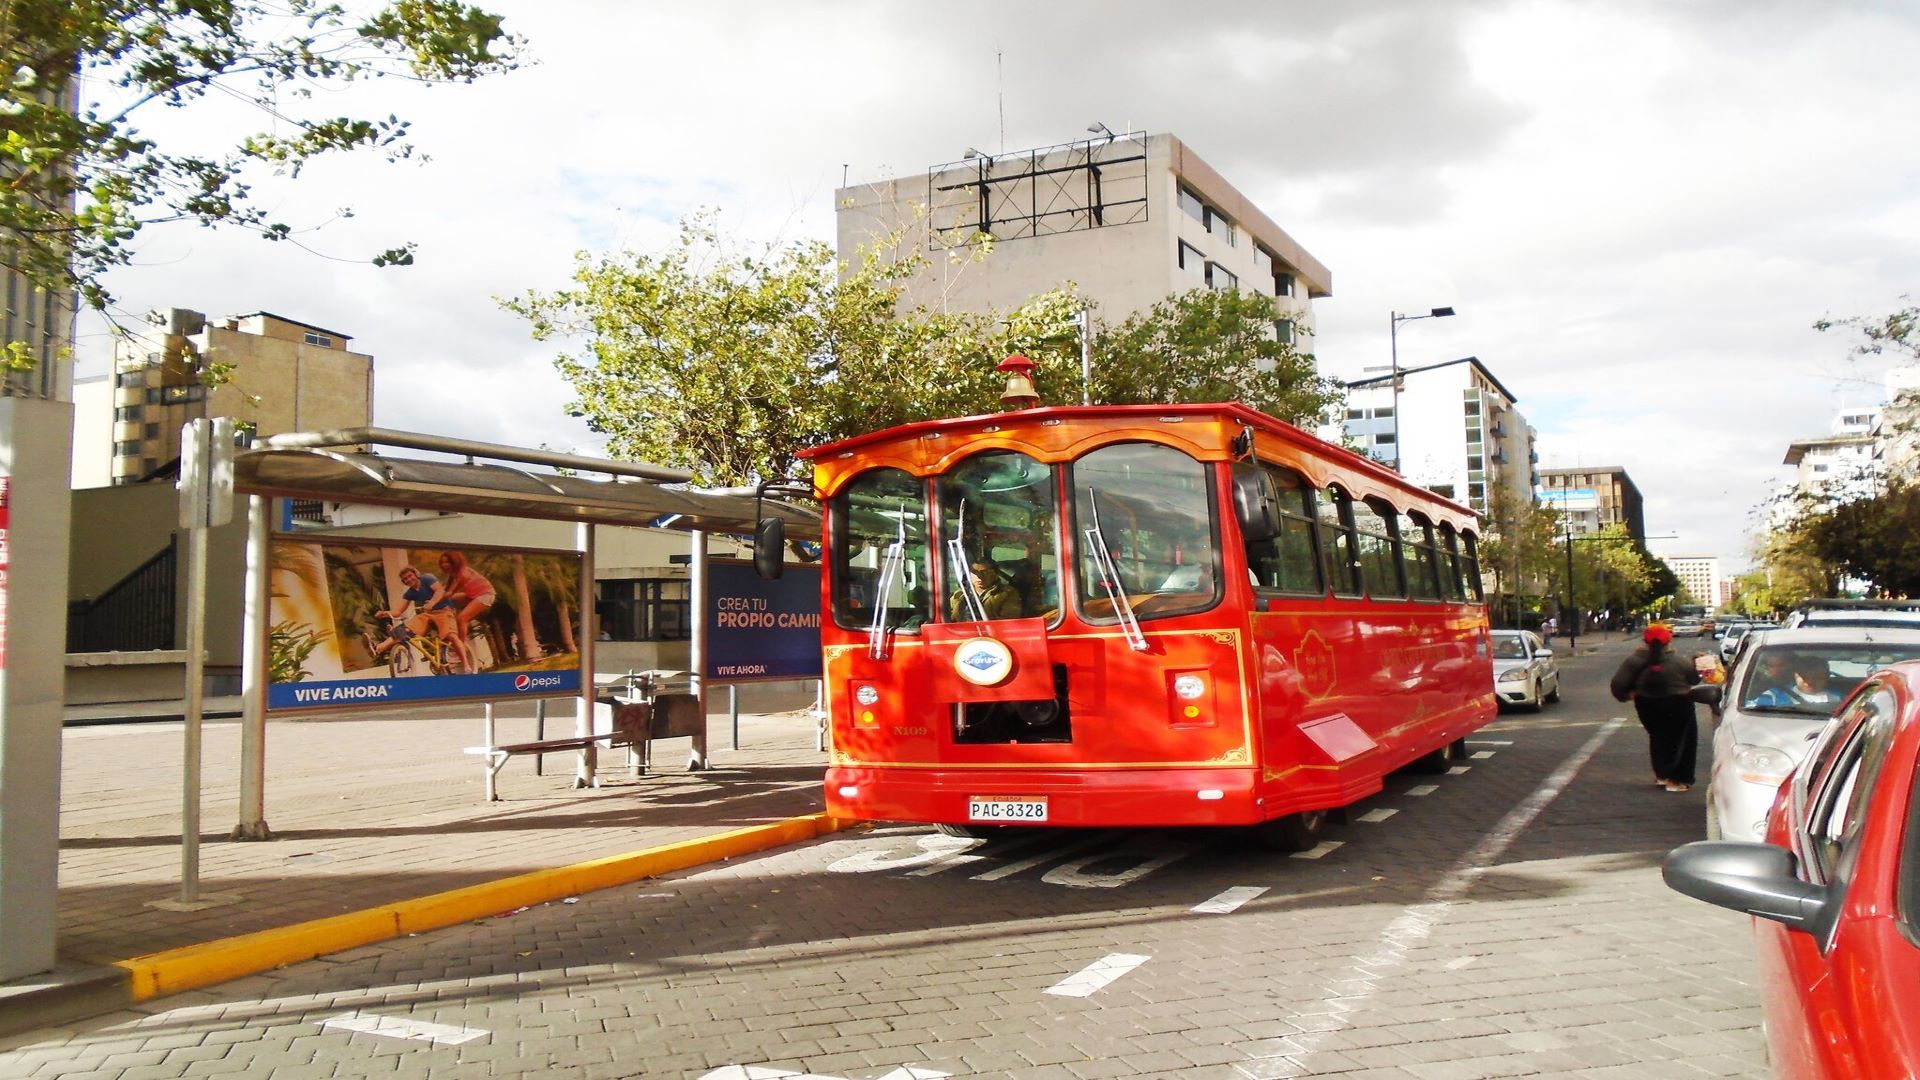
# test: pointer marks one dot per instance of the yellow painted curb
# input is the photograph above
(174, 970)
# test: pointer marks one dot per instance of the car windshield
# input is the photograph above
(1812, 679)
(1509, 647)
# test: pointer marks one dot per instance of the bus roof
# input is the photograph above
(1023, 418)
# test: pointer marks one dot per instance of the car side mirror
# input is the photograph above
(1755, 879)
(769, 548)
(1543, 652)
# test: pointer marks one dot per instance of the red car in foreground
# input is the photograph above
(1835, 892)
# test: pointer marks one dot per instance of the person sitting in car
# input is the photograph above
(1809, 687)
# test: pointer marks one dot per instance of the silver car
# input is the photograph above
(1777, 699)
(1524, 671)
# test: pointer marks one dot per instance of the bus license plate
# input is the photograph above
(1007, 808)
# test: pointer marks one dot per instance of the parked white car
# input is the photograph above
(1524, 671)
(1776, 701)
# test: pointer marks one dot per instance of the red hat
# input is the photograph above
(1659, 632)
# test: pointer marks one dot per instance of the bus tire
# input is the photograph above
(1459, 748)
(1295, 832)
(973, 832)
(1435, 763)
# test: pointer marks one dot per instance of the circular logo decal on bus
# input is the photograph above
(983, 661)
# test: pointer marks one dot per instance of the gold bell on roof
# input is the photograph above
(1019, 393)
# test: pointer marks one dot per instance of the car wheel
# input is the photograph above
(1539, 700)
(1554, 696)
(1713, 818)
(1295, 832)
(973, 832)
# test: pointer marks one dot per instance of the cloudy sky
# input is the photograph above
(1637, 208)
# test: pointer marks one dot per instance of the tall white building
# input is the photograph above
(1837, 467)
(1131, 219)
(1700, 574)
(1457, 431)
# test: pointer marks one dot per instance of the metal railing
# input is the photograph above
(135, 615)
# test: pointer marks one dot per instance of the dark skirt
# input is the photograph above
(1673, 738)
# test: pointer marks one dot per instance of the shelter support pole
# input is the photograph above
(486, 739)
(697, 600)
(585, 773)
(253, 677)
(196, 684)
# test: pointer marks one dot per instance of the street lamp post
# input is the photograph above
(1394, 319)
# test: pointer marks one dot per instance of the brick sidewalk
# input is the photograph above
(372, 810)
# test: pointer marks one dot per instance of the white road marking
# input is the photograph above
(1318, 850)
(914, 1072)
(400, 1027)
(1013, 868)
(762, 1072)
(1088, 980)
(1489, 742)
(1414, 925)
(1459, 962)
(1227, 901)
(1377, 816)
(932, 849)
(1460, 770)
(1423, 789)
(1074, 875)
(1481, 755)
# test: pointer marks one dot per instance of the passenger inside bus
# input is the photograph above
(998, 597)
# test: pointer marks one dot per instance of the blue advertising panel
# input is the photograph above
(762, 629)
(357, 623)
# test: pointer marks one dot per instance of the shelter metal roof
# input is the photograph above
(459, 487)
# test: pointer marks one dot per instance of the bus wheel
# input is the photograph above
(1435, 763)
(1295, 832)
(1459, 748)
(974, 832)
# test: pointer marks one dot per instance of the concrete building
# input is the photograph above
(267, 371)
(1595, 496)
(1130, 219)
(1457, 432)
(1700, 576)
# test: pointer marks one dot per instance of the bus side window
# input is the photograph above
(1416, 545)
(1339, 548)
(1452, 581)
(1470, 568)
(1289, 561)
(1379, 550)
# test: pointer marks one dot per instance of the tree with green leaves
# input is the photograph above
(1522, 552)
(729, 363)
(79, 181)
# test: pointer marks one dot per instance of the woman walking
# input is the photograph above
(1658, 683)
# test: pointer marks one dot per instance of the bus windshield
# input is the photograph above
(1151, 506)
(879, 552)
(1000, 558)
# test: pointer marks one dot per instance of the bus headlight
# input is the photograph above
(1189, 687)
(866, 694)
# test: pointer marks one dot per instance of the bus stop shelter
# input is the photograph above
(344, 466)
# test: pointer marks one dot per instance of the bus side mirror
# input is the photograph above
(1256, 503)
(769, 548)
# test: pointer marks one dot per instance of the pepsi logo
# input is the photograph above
(521, 682)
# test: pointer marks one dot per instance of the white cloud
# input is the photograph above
(1637, 207)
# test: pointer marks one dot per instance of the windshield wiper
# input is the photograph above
(1110, 578)
(890, 564)
(976, 608)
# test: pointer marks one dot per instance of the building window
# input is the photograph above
(321, 340)
(153, 431)
(1221, 279)
(1475, 463)
(1283, 284)
(1356, 414)
(136, 377)
(1191, 203)
(126, 449)
(127, 412)
(1473, 406)
(1383, 438)
(1193, 265)
(645, 609)
(1283, 331)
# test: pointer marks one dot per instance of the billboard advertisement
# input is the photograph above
(362, 623)
(762, 629)
(1569, 500)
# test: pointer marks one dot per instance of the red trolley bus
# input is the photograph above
(1137, 615)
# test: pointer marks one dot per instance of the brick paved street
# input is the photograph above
(1505, 920)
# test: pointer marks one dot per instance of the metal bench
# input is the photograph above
(644, 712)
